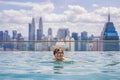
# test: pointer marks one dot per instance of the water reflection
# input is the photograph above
(58, 67)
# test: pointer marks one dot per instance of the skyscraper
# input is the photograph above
(75, 38)
(1, 35)
(19, 36)
(1, 38)
(109, 33)
(14, 34)
(32, 34)
(32, 30)
(6, 37)
(84, 37)
(50, 31)
(62, 33)
(14, 37)
(40, 30)
(49, 38)
(41, 25)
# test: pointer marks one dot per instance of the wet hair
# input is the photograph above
(57, 50)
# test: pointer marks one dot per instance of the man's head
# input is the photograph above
(58, 53)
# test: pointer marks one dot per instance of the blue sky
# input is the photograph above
(77, 15)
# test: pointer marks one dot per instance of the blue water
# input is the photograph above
(40, 66)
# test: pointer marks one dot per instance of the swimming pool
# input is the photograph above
(30, 65)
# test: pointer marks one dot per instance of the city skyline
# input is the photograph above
(63, 34)
(78, 17)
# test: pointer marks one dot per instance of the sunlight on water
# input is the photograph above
(40, 66)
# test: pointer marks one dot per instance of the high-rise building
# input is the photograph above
(6, 37)
(41, 25)
(19, 36)
(1, 38)
(84, 37)
(32, 30)
(50, 31)
(14, 34)
(20, 45)
(75, 37)
(62, 33)
(109, 33)
(49, 38)
(1, 35)
(40, 30)
(14, 37)
(32, 34)
(39, 36)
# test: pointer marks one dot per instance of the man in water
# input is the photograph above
(58, 54)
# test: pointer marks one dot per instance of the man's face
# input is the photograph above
(59, 55)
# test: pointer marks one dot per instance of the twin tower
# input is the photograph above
(32, 30)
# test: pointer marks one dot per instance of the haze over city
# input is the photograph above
(77, 15)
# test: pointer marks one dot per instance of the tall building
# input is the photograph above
(75, 37)
(1, 38)
(1, 35)
(39, 36)
(49, 38)
(6, 37)
(14, 34)
(84, 37)
(32, 30)
(62, 33)
(40, 30)
(14, 37)
(32, 34)
(50, 31)
(19, 36)
(41, 25)
(109, 33)
(20, 45)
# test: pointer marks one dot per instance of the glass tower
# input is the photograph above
(40, 30)
(32, 34)
(109, 33)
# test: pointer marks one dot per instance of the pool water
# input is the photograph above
(30, 65)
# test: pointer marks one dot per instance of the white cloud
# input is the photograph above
(104, 11)
(14, 16)
(80, 14)
(77, 9)
(22, 15)
(114, 12)
(41, 10)
(55, 18)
